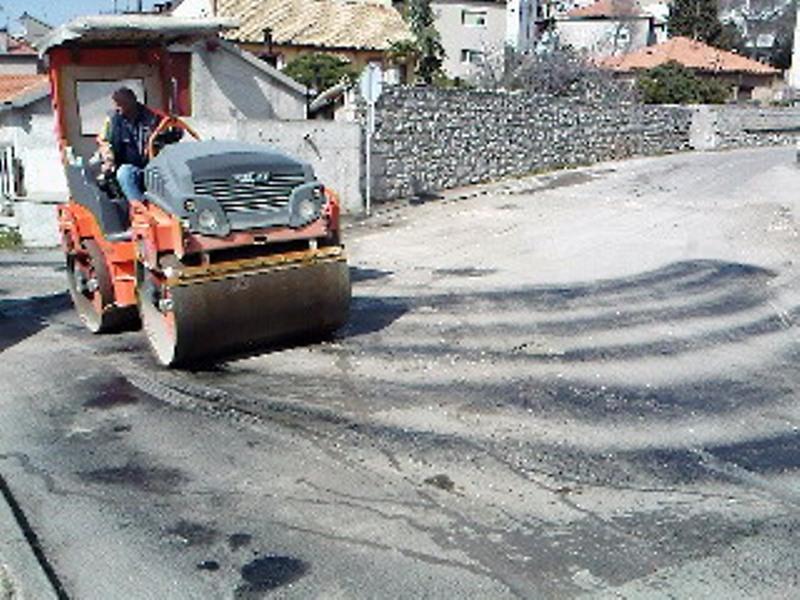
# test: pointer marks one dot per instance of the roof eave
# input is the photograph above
(310, 45)
(569, 17)
(163, 28)
(28, 97)
(620, 69)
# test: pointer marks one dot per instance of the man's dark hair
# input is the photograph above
(124, 92)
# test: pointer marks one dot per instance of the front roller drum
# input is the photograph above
(238, 315)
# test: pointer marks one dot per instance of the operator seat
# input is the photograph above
(111, 213)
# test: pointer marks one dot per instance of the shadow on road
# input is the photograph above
(20, 319)
(590, 321)
(690, 307)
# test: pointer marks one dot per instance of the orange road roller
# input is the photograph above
(232, 247)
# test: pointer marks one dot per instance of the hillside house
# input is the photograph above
(277, 31)
(606, 28)
(17, 57)
(750, 80)
(28, 151)
(471, 29)
(33, 29)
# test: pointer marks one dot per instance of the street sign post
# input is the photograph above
(371, 86)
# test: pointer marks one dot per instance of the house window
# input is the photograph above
(473, 18)
(471, 56)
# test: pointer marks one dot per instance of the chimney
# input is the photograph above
(3, 40)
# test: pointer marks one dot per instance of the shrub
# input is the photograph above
(320, 71)
(9, 238)
(672, 83)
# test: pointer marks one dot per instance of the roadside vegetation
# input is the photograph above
(9, 238)
(699, 20)
(560, 71)
(424, 51)
(320, 71)
(672, 83)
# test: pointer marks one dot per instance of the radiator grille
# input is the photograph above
(238, 197)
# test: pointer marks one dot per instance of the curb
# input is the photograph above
(22, 576)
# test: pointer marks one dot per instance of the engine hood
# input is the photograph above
(247, 185)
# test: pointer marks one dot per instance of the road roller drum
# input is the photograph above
(195, 319)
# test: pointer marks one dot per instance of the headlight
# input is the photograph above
(207, 219)
(306, 210)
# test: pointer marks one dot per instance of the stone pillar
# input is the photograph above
(703, 131)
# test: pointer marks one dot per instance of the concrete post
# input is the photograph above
(794, 70)
(703, 131)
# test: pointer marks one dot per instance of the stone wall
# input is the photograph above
(720, 127)
(427, 140)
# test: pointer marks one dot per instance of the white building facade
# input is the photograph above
(473, 29)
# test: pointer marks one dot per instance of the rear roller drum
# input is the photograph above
(92, 291)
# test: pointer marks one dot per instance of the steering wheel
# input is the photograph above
(167, 122)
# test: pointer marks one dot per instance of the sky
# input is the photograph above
(56, 12)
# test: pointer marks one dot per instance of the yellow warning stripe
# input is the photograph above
(254, 266)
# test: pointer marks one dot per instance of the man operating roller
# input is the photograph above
(123, 142)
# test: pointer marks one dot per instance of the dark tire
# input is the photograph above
(92, 291)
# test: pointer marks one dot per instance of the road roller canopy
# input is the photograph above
(90, 57)
(132, 30)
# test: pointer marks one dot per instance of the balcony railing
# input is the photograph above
(10, 173)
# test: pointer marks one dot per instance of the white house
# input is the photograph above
(471, 29)
(33, 28)
(606, 28)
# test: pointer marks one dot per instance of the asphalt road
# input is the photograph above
(574, 384)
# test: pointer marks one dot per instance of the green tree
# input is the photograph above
(404, 54)
(699, 20)
(320, 71)
(784, 23)
(730, 38)
(672, 83)
(430, 53)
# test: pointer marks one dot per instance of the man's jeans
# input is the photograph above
(131, 180)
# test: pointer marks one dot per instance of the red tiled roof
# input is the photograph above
(13, 87)
(689, 53)
(18, 47)
(608, 9)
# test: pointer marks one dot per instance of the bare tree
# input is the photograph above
(557, 71)
(620, 37)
